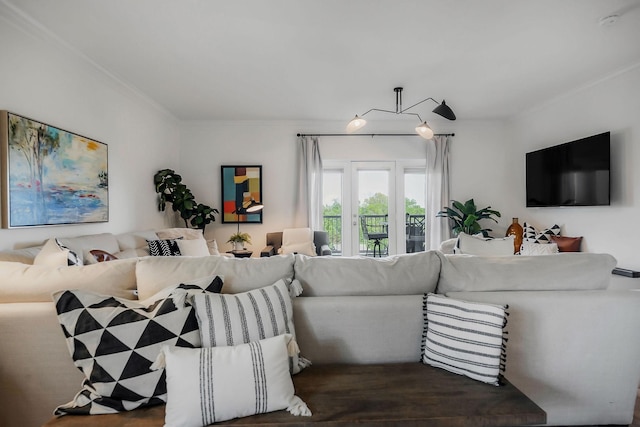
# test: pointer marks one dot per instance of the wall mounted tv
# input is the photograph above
(575, 173)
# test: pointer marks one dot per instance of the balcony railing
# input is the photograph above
(414, 236)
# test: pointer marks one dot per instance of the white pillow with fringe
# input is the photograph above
(466, 338)
(209, 385)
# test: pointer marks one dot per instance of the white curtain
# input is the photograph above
(309, 191)
(437, 173)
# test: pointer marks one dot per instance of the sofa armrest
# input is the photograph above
(325, 250)
(267, 251)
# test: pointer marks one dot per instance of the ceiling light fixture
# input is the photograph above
(424, 130)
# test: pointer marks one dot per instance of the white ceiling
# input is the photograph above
(331, 59)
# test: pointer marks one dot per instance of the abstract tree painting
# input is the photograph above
(51, 176)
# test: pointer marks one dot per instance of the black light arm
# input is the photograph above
(442, 109)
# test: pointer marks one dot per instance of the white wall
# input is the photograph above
(612, 104)
(478, 158)
(43, 80)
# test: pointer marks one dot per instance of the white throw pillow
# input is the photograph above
(297, 241)
(195, 247)
(52, 255)
(209, 385)
(531, 248)
(464, 337)
(474, 245)
(232, 319)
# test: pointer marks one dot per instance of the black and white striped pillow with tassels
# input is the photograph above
(466, 338)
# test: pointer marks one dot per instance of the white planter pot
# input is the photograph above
(238, 246)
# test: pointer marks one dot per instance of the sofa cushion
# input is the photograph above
(476, 245)
(114, 341)
(24, 255)
(209, 385)
(359, 329)
(232, 319)
(564, 271)
(240, 274)
(24, 283)
(105, 241)
(135, 239)
(404, 274)
(177, 233)
(464, 337)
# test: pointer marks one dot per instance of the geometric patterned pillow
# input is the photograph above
(464, 337)
(72, 257)
(114, 341)
(531, 235)
(233, 319)
(168, 247)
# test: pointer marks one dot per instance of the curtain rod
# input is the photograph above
(371, 134)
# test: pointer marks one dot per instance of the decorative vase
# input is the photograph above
(515, 230)
(238, 246)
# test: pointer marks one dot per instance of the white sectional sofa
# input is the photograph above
(572, 348)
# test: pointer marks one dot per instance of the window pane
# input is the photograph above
(414, 201)
(332, 208)
(373, 208)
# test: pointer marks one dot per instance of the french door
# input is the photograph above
(367, 204)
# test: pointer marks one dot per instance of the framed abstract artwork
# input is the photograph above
(241, 189)
(50, 176)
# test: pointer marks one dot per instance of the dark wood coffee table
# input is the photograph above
(408, 394)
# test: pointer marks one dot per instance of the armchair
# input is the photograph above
(274, 243)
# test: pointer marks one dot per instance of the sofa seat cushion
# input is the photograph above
(114, 342)
(29, 283)
(406, 274)
(563, 271)
(240, 274)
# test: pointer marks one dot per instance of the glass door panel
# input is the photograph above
(414, 208)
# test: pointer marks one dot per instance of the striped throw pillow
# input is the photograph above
(209, 385)
(233, 319)
(466, 338)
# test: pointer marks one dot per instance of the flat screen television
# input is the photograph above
(575, 173)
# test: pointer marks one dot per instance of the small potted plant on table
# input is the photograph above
(238, 240)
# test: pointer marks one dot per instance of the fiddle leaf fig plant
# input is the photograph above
(171, 190)
(465, 216)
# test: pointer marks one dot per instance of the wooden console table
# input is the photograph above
(407, 394)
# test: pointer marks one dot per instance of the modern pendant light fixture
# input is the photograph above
(424, 130)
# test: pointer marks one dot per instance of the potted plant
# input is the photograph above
(238, 240)
(170, 189)
(465, 217)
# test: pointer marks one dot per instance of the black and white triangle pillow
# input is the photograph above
(72, 257)
(114, 342)
(530, 234)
